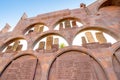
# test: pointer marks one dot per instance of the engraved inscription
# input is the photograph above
(73, 69)
(20, 70)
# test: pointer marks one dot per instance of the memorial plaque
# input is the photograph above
(61, 26)
(90, 37)
(20, 69)
(41, 45)
(56, 40)
(100, 37)
(67, 24)
(15, 45)
(49, 42)
(72, 66)
(38, 28)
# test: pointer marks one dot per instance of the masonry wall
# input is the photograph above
(89, 60)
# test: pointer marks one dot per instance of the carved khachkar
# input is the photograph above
(49, 42)
(41, 45)
(90, 37)
(35, 48)
(38, 28)
(100, 37)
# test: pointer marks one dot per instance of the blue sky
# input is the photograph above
(12, 10)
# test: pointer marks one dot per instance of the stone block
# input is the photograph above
(19, 48)
(41, 45)
(100, 37)
(56, 40)
(90, 37)
(74, 23)
(83, 40)
(61, 26)
(67, 24)
(38, 28)
(49, 42)
(15, 45)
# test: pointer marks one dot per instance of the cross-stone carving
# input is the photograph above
(61, 26)
(38, 28)
(67, 24)
(49, 42)
(41, 45)
(15, 45)
(56, 40)
(90, 37)
(100, 37)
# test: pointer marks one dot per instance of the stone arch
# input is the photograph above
(116, 58)
(71, 19)
(110, 3)
(97, 28)
(28, 62)
(37, 24)
(53, 34)
(79, 50)
(15, 40)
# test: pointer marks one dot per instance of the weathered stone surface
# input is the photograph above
(24, 16)
(20, 69)
(91, 61)
(90, 37)
(41, 45)
(61, 26)
(56, 40)
(6, 28)
(15, 45)
(96, 45)
(74, 23)
(72, 66)
(9, 48)
(38, 28)
(100, 37)
(19, 48)
(67, 24)
(49, 42)
(55, 47)
(83, 40)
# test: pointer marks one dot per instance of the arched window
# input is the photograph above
(37, 28)
(15, 45)
(91, 36)
(51, 43)
(67, 23)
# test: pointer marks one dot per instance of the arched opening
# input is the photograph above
(17, 44)
(37, 28)
(67, 23)
(93, 36)
(51, 42)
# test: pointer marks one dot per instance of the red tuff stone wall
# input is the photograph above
(89, 61)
